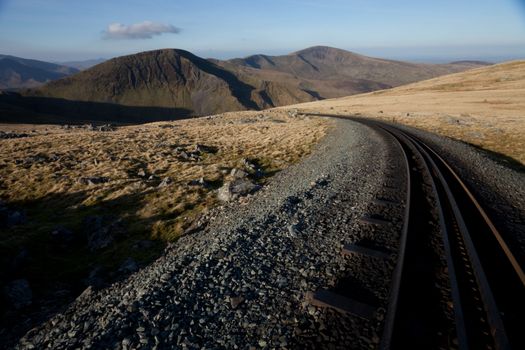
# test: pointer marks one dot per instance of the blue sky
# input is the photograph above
(422, 30)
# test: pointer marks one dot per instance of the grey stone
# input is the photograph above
(165, 182)
(93, 180)
(248, 164)
(106, 127)
(183, 154)
(232, 190)
(101, 231)
(200, 182)
(198, 148)
(128, 266)
(15, 217)
(238, 173)
(86, 294)
(235, 301)
(244, 252)
(96, 277)
(62, 235)
(292, 230)
(20, 259)
(18, 293)
(12, 135)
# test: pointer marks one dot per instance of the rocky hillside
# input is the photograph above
(170, 79)
(163, 78)
(16, 72)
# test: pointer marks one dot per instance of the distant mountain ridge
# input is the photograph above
(334, 72)
(16, 72)
(84, 64)
(177, 80)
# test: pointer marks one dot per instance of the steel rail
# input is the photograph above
(492, 311)
(493, 314)
(504, 246)
(459, 317)
(494, 294)
(392, 309)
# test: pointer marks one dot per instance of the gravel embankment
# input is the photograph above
(242, 281)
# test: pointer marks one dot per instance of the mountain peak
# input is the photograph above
(166, 52)
(323, 50)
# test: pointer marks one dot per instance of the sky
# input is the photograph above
(417, 30)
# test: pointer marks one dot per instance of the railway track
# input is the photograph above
(485, 280)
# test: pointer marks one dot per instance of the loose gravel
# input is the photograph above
(242, 281)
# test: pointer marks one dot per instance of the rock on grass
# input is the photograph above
(232, 190)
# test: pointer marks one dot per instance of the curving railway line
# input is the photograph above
(485, 280)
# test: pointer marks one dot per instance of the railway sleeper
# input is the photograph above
(327, 299)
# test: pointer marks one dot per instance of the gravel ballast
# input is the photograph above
(242, 281)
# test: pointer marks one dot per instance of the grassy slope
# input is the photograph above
(484, 107)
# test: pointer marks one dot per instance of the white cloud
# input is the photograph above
(144, 30)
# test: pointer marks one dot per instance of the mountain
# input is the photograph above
(334, 72)
(162, 78)
(16, 72)
(82, 65)
(167, 79)
(170, 83)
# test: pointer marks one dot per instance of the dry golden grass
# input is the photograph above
(274, 140)
(484, 107)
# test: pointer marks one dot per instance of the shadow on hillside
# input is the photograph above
(314, 94)
(58, 269)
(238, 88)
(15, 108)
(500, 158)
